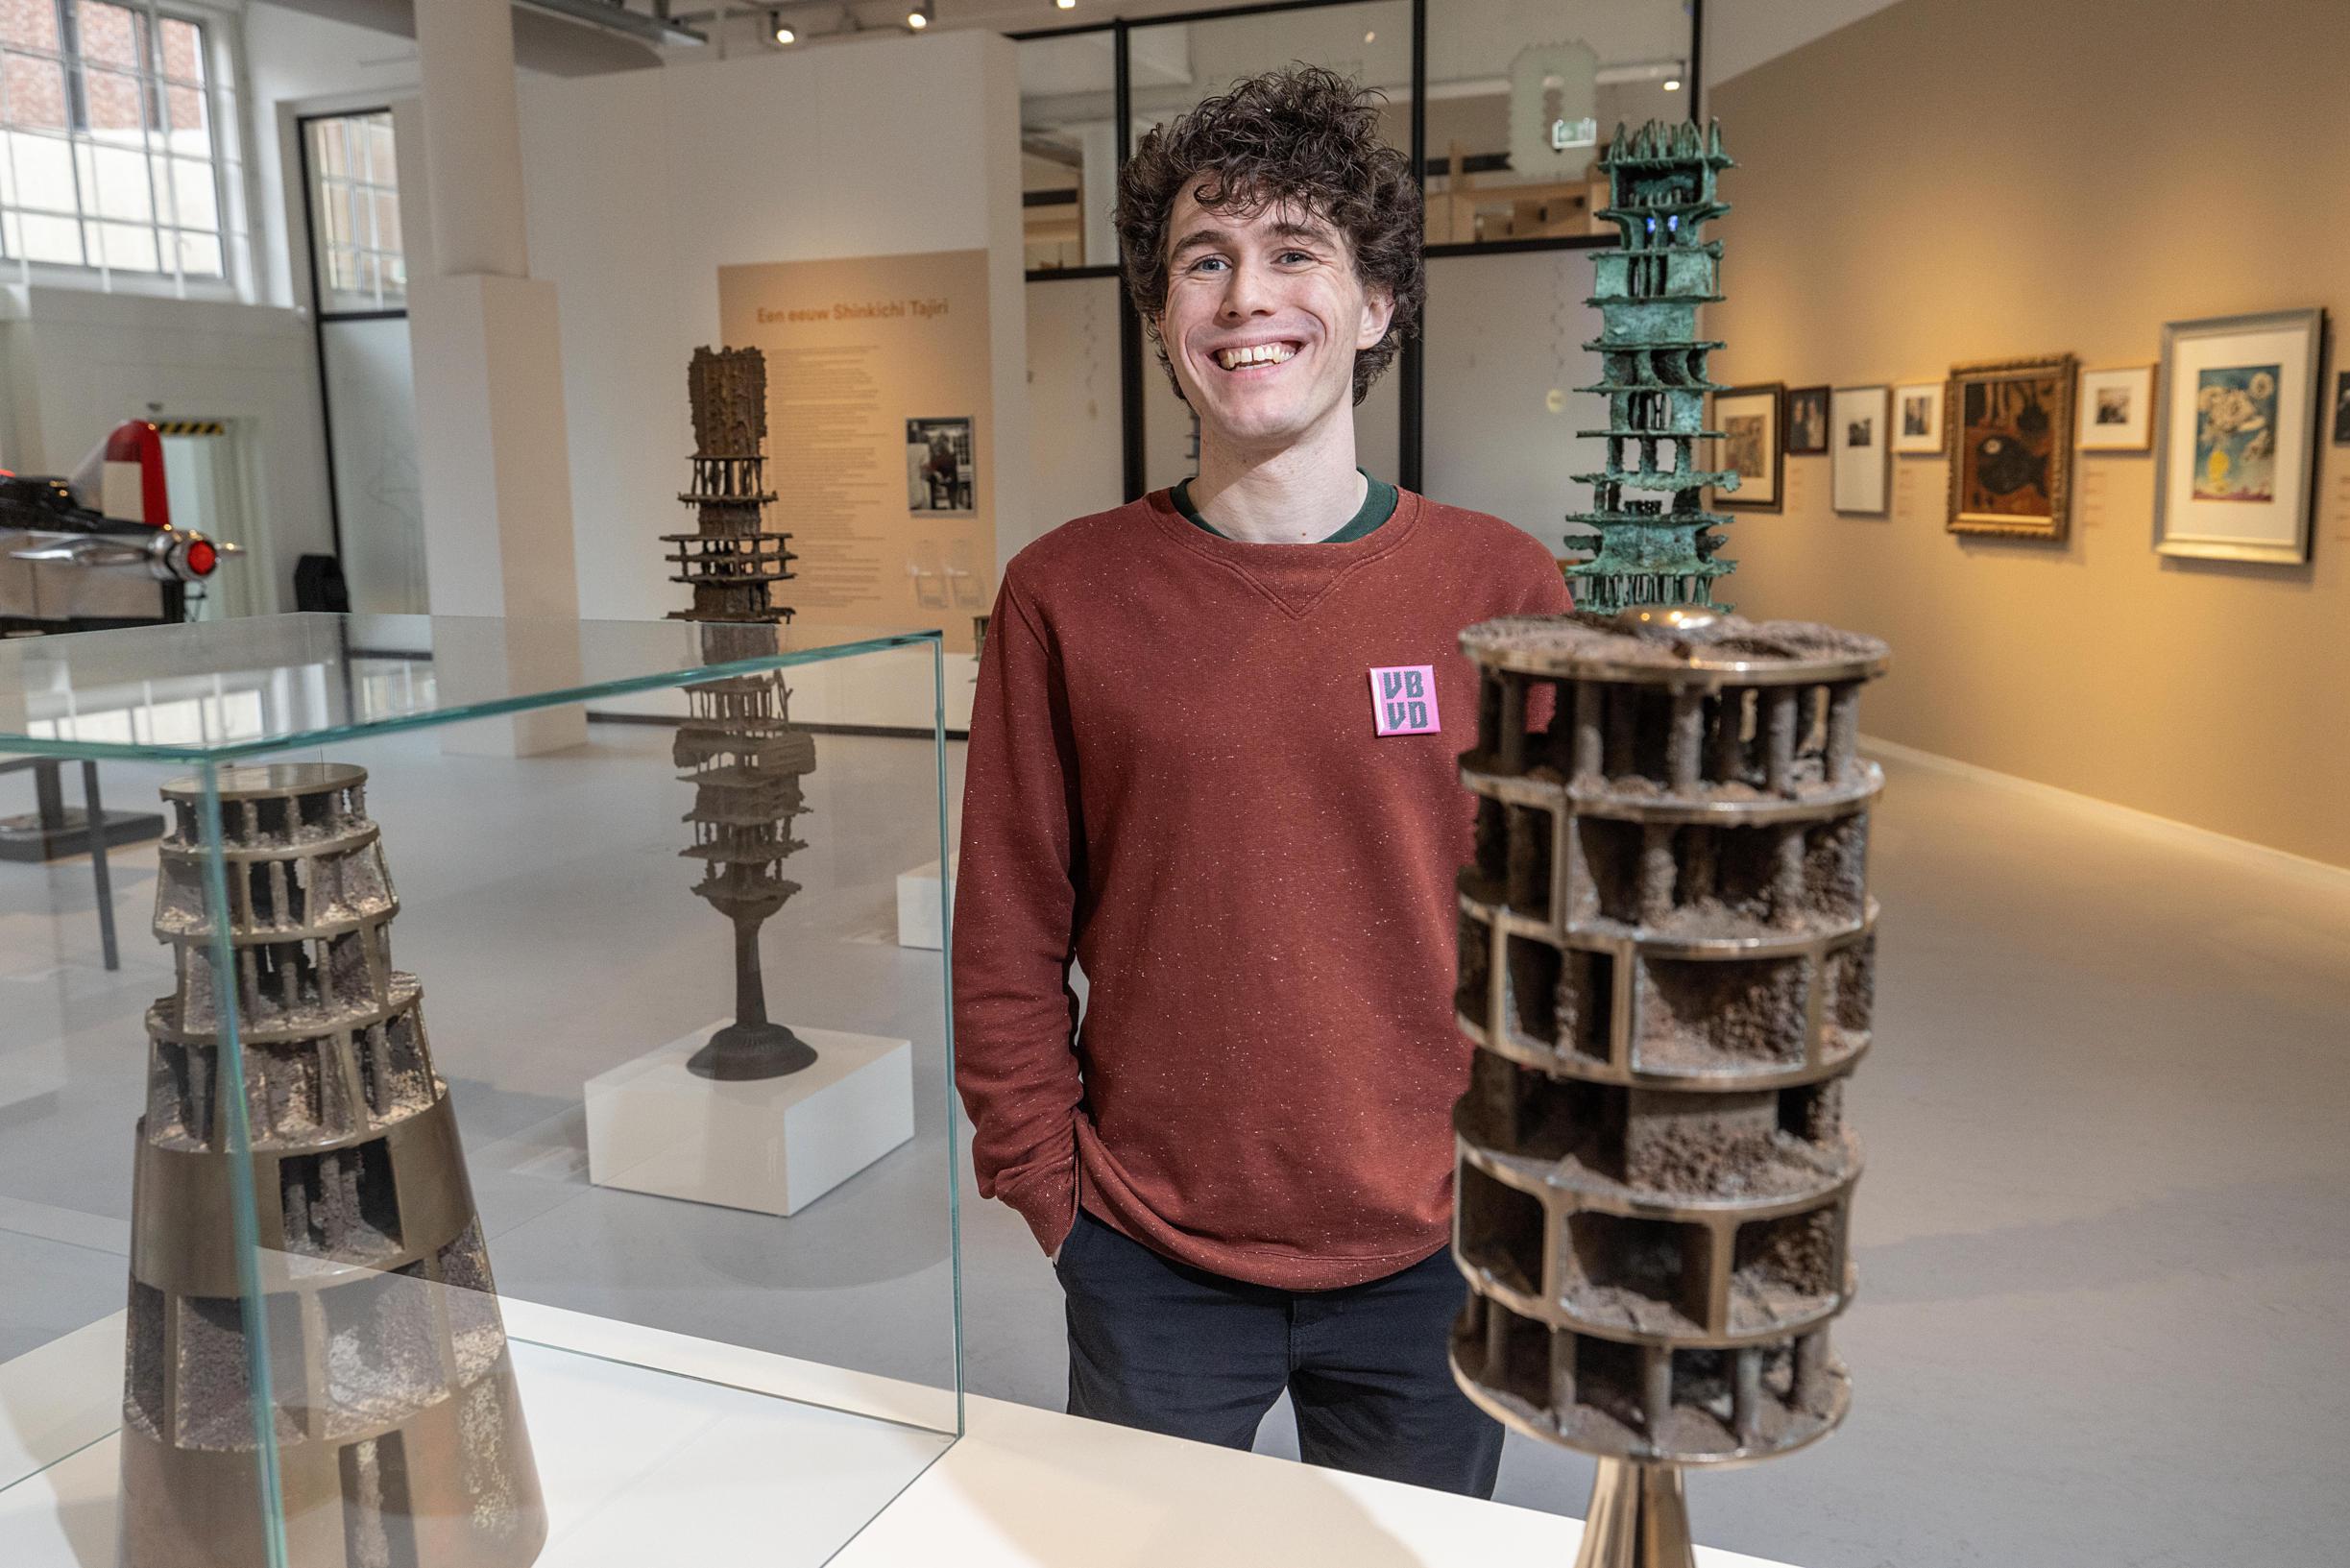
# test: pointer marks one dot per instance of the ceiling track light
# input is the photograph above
(919, 18)
(1066, 5)
(782, 30)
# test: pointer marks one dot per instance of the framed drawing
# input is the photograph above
(1917, 418)
(2238, 437)
(2011, 467)
(1748, 418)
(1806, 422)
(2118, 409)
(1860, 445)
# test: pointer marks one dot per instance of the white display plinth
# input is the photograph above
(637, 1467)
(658, 1448)
(770, 1144)
(919, 919)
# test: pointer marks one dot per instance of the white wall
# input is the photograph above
(80, 363)
(1742, 35)
(642, 186)
(1078, 457)
(1504, 331)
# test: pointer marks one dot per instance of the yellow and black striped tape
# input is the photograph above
(190, 427)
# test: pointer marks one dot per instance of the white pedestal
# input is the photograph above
(656, 1447)
(772, 1145)
(918, 906)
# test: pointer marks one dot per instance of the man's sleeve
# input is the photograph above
(1015, 920)
(1549, 595)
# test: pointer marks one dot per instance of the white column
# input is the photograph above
(492, 457)
(473, 137)
(1098, 146)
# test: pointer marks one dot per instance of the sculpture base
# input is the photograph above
(773, 1146)
(1640, 1518)
(453, 1486)
(743, 1053)
(920, 924)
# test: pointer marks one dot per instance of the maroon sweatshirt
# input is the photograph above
(1177, 777)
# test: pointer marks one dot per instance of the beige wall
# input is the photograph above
(1958, 180)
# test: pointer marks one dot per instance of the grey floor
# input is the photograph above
(2103, 1240)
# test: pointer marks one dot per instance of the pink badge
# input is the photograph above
(1403, 700)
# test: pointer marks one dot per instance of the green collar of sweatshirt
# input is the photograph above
(1378, 505)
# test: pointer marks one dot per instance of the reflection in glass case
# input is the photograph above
(513, 1285)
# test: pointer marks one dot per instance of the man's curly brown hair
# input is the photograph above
(1302, 137)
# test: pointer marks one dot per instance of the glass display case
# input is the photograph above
(526, 1135)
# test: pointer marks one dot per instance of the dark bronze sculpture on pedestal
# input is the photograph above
(398, 1433)
(1667, 949)
(1668, 966)
(739, 745)
(1649, 288)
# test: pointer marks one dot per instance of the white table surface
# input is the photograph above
(656, 1447)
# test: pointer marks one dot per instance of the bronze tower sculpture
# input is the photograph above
(738, 745)
(399, 1436)
(1667, 964)
(1653, 372)
(1667, 954)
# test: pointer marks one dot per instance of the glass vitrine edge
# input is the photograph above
(946, 979)
(244, 1212)
(14, 745)
(892, 1501)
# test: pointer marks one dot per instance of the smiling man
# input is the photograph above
(1212, 760)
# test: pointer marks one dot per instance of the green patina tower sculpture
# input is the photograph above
(1657, 549)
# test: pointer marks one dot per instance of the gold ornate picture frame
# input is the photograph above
(2010, 425)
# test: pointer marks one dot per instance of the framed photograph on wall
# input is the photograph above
(1917, 418)
(1806, 422)
(940, 473)
(2238, 437)
(2118, 409)
(1748, 418)
(1859, 447)
(2341, 408)
(2011, 464)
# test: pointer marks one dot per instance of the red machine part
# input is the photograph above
(123, 475)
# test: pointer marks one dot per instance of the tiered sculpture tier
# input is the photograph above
(398, 1431)
(1667, 965)
(745, 760)
(739, 745)
(732, 562)
(1656, 551)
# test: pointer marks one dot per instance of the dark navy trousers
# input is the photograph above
(1161, 1345)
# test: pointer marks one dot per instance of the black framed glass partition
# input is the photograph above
(1069, 150)
(1521, 96)
(1502, 104)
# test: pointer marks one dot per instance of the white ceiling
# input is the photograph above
(1463, 35)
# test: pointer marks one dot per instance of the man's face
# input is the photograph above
(1264, 316)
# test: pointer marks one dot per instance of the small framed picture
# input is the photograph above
(2011, 465)
(1748, 418)
(1806, 422)
(2237, 437)
(1860, 445)
(1917, 418)
(940, 473)
(2341, 408)
(2118, 409)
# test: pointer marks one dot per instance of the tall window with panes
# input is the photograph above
(355, 213)
(111, 163)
